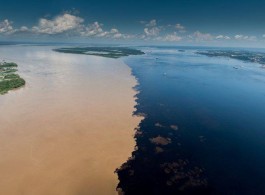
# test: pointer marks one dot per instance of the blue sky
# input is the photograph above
(183, 22)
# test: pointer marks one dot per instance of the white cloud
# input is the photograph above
(102, 34)
(198, 36)
(239, 37)
(6, 27)
(60, 24)
(151, 29)
(72, 25)
(152, 23)
(122, 36)
(245, 37)
(117, 35)
(96, 30)
(171, 37)
(93, 30)
(23, 29)
(114, 30)
(180, 28)
(69, 23)
(223, 37)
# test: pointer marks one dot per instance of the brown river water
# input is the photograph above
(69, 128)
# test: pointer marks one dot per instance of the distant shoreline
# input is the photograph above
(108, 52)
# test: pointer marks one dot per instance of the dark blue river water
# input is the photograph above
(209, 115)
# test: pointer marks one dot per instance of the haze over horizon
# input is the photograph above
(210, 23)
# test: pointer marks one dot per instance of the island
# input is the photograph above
(246, 56)
(8, 78)
(109, 52)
